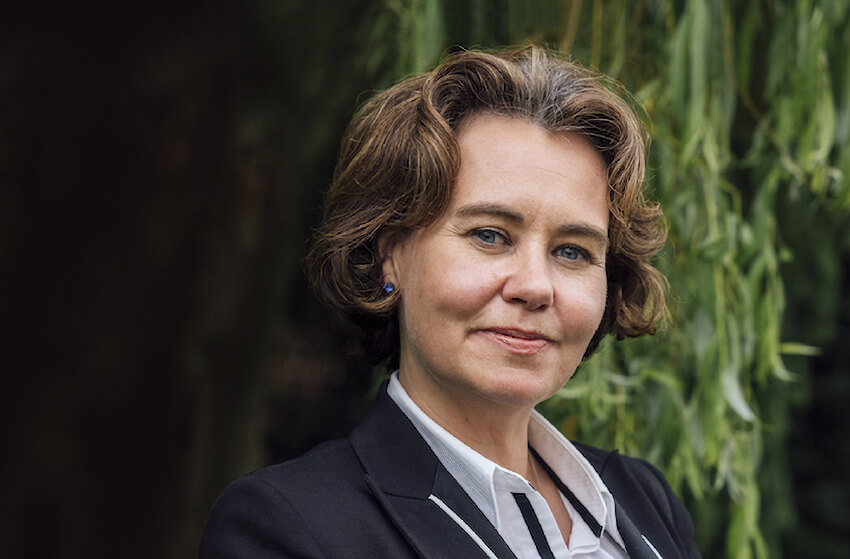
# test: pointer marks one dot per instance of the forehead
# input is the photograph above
(515, 160)
(489, 138)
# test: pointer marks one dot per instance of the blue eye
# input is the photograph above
(487, 236)
(571, 252)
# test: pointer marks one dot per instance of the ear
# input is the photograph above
(386, 245)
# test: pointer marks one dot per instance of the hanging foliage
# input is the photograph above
(748, 105)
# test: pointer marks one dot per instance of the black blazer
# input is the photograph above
(370, 496)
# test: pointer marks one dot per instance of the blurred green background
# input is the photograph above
(162, 165)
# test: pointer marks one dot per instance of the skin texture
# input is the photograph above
(501, 296)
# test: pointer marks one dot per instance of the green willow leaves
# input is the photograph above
(748, 104)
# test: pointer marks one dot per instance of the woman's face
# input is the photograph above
(501, 296)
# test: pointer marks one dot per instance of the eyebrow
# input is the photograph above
(498, 210)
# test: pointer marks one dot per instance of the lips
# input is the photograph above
(523, 342)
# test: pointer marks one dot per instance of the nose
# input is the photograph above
(529, 282)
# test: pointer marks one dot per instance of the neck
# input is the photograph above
(534, 473)
(496, 431)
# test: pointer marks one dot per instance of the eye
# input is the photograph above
(572, 252)
(487, 236)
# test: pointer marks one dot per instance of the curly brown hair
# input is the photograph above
(399, 159)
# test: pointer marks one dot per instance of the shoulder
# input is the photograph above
(275, 511)
(612, 463)
(322, 469)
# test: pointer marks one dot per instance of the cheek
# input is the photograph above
(454, 287)
(439, 305)
(585, 306)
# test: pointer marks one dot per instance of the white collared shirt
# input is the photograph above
(492, 487)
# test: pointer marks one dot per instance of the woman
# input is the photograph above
(487, 224)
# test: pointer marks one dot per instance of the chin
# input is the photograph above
(521, 390)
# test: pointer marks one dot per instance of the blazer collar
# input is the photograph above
(403, 473)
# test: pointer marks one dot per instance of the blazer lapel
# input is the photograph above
(424, 501)
(642, 529)
(636, 543)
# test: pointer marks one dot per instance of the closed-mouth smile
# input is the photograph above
(522, 342)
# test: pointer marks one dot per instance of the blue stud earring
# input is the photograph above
(388, 287)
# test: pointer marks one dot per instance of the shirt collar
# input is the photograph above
(481, 477)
